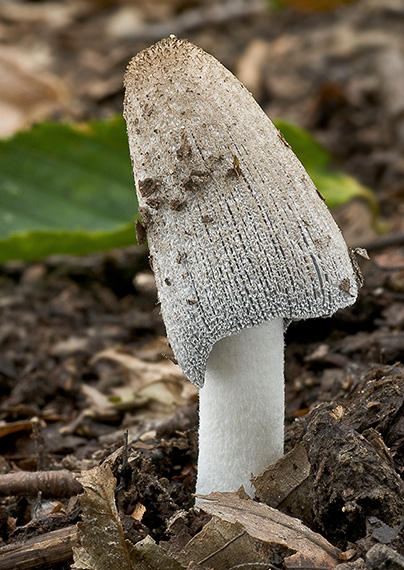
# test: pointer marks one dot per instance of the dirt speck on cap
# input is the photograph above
(141, 235)
(176, 204)
(207, 219)
(184, 150)
(148, 186)
(153, 203)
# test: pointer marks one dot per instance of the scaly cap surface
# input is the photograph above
(237, 231)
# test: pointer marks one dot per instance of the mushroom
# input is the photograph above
(240, 241)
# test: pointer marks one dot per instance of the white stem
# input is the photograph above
(241, 409)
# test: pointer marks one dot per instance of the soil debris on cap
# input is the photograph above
(184, 150)
(141, 235)
(148, 187)
(153, 203)
(207, 219)
(177, 204)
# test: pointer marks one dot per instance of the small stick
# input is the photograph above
(382, 242)
(197, 18)
(42, 454)
(51, 548)
(61, 483)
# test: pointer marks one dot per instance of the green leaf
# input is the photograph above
(69, 189)
(38, 244)
(336, 187)
(66, 189)
(275, 4)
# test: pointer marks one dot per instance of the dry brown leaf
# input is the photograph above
(26, 94)
(250, 66)
(100, 404)
(285, 484)
(147, 555)
(101, 534)
(222, 545)
(244, 531)
(141, 373)
(156, 348)
(54, 14)
(148, 382)
(168, 392)
(72, 345)
(14, 427)
(125, 400)
(82, 561)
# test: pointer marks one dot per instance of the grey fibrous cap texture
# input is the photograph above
(237, 231)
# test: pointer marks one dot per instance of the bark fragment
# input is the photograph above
(349, 479)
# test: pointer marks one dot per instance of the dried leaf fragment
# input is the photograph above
(362, 252)
(101, 534)
(138, 512)
(140, 372)
(21, 106)
(14, 427)
(236, 165)
(148, 555)
(261, 530)
(285, 484)
(345, 285)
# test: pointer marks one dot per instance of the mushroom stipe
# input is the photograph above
(246, 239)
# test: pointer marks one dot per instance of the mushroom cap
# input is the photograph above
(237, 232)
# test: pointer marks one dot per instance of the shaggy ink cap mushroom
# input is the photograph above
(237, 232)
(240, 243)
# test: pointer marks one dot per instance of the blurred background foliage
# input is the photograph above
(310, 5)
(329, 68)
(69, 188)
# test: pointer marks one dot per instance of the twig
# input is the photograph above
(390, 268)
(61, 483)
(384, 241)
(308, 567)
(269, 566)
(201, 17)
(52, 548)
(42, 461)
(125, 470)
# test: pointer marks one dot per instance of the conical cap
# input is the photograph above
(237, 231)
